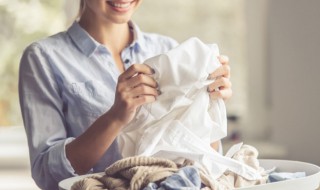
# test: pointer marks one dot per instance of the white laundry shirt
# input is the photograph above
(183, 121)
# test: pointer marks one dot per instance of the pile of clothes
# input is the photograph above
(151, 173)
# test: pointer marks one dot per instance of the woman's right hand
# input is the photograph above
(135, 87)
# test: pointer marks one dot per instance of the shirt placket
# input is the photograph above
(126, 57)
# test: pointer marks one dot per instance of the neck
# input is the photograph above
(114, 36)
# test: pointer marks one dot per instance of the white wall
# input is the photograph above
(257, 121)
(293, 66)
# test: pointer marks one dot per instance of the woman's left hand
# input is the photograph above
(222, 80)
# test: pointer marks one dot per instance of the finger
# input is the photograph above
(142, 79)
(144, 90)
(224, 94)
(224, 60)
(223, 70)
(136, 69)
(219, 83)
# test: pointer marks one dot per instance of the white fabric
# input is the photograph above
(184, 121)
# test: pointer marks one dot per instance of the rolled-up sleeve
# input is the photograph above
(42, 112)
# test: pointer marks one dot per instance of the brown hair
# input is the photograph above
(81, 8)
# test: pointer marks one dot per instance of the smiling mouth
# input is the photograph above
(121, 5)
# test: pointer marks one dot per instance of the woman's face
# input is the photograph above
(115, 11)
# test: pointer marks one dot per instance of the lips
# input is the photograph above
(120, 4)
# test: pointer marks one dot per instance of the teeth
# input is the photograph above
(120, 5)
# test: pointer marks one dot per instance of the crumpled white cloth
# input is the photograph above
(183, 121)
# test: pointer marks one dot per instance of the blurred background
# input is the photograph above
(273, 46)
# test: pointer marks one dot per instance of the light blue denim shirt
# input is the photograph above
(66, 82)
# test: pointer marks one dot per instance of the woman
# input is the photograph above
(79, 88)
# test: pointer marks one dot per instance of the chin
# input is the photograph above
(118, 20)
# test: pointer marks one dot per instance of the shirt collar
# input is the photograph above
(82, 39)
(138, 42)
(88, 45)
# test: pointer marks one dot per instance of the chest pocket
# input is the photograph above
(91, 98)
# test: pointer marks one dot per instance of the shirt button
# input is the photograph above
(127, 61)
